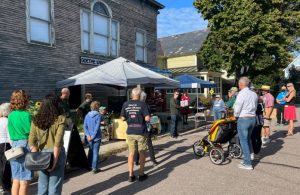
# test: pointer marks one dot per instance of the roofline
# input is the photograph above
(292, 63)
(203, 30)
(183, 54)
(159, 5)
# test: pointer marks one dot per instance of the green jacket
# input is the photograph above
(85, 107)
(66, 107)
(19, 125)
(230, 102)
(54, 137)
(174, 106)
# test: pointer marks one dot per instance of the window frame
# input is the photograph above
(109, 38)
(144, 47)
(50, 24)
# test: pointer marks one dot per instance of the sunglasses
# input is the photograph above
(176, 93)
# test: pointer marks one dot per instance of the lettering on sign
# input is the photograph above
(91, 61)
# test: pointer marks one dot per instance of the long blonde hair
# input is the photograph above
(292, 88)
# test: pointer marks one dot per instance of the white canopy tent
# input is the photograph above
(119, 72)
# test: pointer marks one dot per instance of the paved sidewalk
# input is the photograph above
(117, 146)
(277, 171)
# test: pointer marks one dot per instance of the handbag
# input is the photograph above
(14, 153)
(37, 161)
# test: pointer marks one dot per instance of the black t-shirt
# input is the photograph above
(134, 111)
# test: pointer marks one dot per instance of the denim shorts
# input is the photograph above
(18, 170)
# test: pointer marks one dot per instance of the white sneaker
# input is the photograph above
(252, 156)
(246, 167)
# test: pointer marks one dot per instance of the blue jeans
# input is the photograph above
(217, 113)
(173, 125)
(93, 154)
(52, 182)
(245, 127)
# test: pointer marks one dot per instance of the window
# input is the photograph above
(217, 81)
(100, 34)
(86, 31)
(39, 21)
(140, 46)
(114, 38)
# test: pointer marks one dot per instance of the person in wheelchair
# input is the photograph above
(106, 127)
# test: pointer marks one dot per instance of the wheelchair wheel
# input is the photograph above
(235, 151)
(198, 149)
(216, 156)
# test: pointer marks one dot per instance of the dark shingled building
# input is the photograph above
(45, 41)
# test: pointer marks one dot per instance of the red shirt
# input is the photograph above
(183, 97)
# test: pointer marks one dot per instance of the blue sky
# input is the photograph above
(178, 16)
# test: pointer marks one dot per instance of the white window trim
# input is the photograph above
(118, 37)
(145, 46)
(51, 25)
(82, 10)
(91, 27)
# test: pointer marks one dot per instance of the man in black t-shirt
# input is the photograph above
(136, 113)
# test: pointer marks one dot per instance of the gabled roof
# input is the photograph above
(182, 44)
(295, 63)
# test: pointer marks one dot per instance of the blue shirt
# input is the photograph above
(280, 96)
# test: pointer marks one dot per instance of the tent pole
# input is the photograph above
(197, 96)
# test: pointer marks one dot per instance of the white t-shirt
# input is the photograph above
(4, 135)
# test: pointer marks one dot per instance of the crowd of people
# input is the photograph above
(18, 128)
(254, 111)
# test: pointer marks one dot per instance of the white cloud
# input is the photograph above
(179, 20)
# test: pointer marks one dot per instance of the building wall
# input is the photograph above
(36, 68)
(182, 61)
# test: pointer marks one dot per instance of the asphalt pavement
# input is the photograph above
(276, 171)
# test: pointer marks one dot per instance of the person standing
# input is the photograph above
(290, 108)
(5, 171)
(256, 133)
(85, 106)
(105, 126)
(148, 136)
(92, 123)
(232, 93)
(218, 107)
(185, 110)
(245, 112)
(268, 101)
(280, 106)
(174, 109)
(65, 94)
(136, 114)
(19, 121)
(50, 122)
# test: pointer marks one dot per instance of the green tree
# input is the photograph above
(250, 37)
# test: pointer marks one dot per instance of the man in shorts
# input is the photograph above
(268, 102)
(136, 114)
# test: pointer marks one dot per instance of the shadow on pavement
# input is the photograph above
(273, 147)
(279, 164)
(155, 175)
